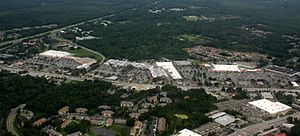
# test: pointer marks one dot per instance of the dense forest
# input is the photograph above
(255, 26)
(17, 14)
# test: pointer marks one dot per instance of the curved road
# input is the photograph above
(11, 118)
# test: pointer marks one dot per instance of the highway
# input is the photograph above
(11, 118)
(70, 26)
(59, 29)
(253, 129)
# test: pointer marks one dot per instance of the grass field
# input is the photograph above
(193, 38)
(85, 53)
(181, 116)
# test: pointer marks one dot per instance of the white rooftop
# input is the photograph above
(225, 120)
(230, 68)
(267, 95)
(186, 132)
(216, 115)
(168, 66)
(53, 53)
(269, 106)
(158, 72)
(295, 84)
(183, 63)
(124, 63)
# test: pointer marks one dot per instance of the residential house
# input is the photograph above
(120, 121)
(107, 113)
(165, 100)
(147, 105)
(134, 115)
(65, 123)
(39, 122)
(127, 104)
(81, 111)
(63, 110)
(152, 99)
(104, 107)
(141, 111)
(109, 122)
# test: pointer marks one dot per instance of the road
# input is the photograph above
(11, 118)
(70, 26)
(253, 129)
(60, 29)
(126, 84)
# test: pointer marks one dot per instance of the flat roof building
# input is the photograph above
(270, 107)
(266, 95)
(186, 132)
(168, 66)
(53, 53)
(216, 115)
(183, 63)
(158, 72)
(225, 68)
(294, 84)
(225, 120)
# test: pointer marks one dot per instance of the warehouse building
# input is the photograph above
(186, 132)
(169, 67)
(273, 108)
(225, 68)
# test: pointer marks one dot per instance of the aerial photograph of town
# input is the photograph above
(150, 68)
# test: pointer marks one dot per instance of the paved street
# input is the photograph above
(251, 130)
(58, 29)
(11, 118)
(40, 74)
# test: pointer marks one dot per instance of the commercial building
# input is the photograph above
(225, 68)
(183, 63)
(186, 132)
(271, 107)
(57, 54)
(158, 72)
(281, 70)
(295, 84)
(216, 115)
(65, 59)
(225, 120)
(266, 95)
(124, 63)
(168, 66)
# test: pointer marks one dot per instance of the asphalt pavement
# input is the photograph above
(11, 118)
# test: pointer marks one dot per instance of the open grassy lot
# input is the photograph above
(194, 38)
(85, 53)
(181, 116)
